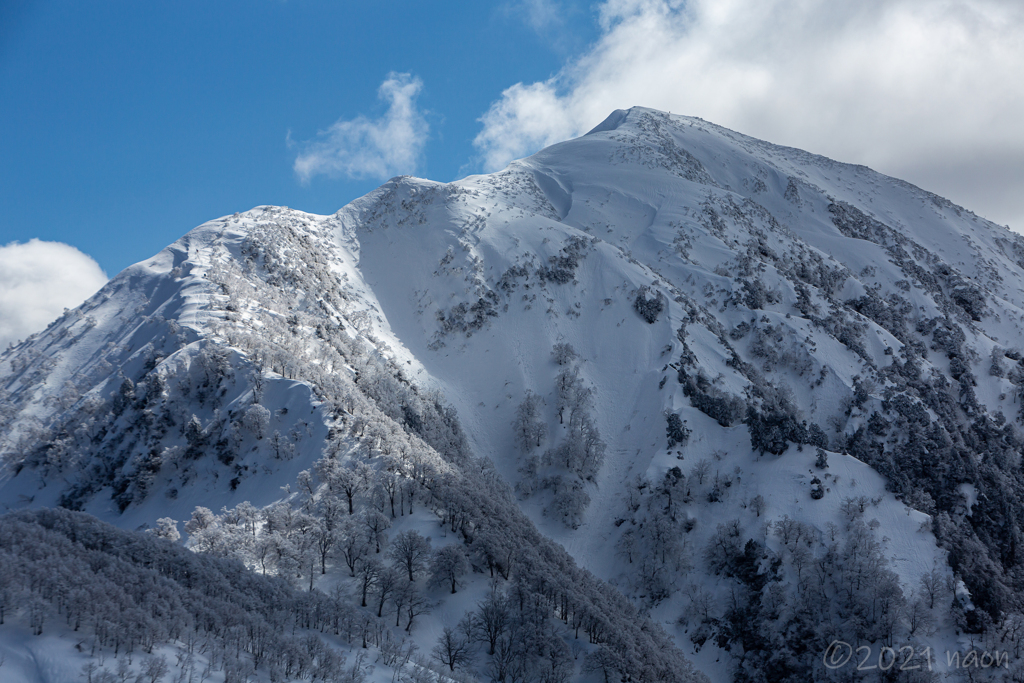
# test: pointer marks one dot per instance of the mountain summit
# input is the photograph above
(663, 393)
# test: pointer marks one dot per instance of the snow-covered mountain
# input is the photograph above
(661, 383)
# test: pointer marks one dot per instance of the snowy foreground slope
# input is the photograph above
(662, 394)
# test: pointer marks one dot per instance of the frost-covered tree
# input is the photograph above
(676, 431)
(821, 459)
(124, 396)
(193, 432)
(281, 447)
(563, 353)
(528, 427)
(352, 546)
(202, 518)
(649, 304)
(569, 502)
(758, 504)
(672, 489)
(410, 551)
(167, 529)
(344, 478)
(154, 669)
(257, 420)
(448, 565)
(570, 392)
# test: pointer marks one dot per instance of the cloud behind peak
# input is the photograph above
(894, 84)
(38, 280)
(371, 148)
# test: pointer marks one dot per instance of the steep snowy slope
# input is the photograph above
(771, 397)
(277, 393)
(811, 293)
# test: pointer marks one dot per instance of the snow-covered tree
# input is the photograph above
(410, 551)
(448, 565)
(563, 353)
(167, 529)
(257, 420)
(528, 426)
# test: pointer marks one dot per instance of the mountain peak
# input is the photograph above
(695, 361)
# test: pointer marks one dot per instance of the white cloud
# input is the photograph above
(38, 280)
(380, 148)
(527, 118)
(927, 90)
(540, 15)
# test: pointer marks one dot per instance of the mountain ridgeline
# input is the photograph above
(660, 403)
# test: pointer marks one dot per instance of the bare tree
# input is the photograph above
(701, 601)
(376, 523)
(568, 389)
(155, 668)
(933, 586)
(700, 470)
(919, 617)
(353, 546)
(368, 573)
(400, 597)
(415, 605)
(492, 619)
(452, 649)
(411, 551)
(757, 504)
(388, 580)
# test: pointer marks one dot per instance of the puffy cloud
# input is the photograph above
(927, 90)
(378, 148)
(525, 119)
(38, 280)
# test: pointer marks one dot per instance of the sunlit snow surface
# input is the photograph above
(677, 205)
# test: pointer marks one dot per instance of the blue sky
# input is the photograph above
(127, 123)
